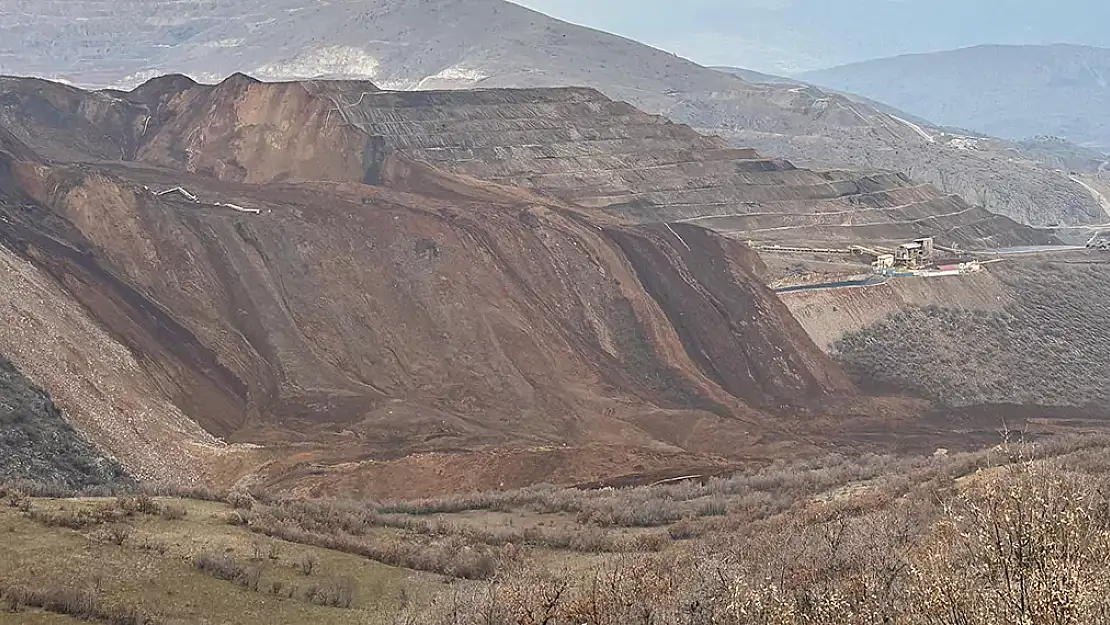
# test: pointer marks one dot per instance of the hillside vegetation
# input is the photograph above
(1048, 347)
(37, 443)
(1013, 534)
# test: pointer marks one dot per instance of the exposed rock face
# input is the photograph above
(271, 302)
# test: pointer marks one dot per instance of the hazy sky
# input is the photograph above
(796, 35)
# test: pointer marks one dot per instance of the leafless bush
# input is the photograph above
(138, 504)
(1022, 540)
(47, 490)
(238, 517)
(626, 591)
(72, 518)
(312, 593)
(174, 512)
(198, 493)
(12, 495)
(307, 564)
(453, 504)
(1025, 544)
(220, 566)
(683, 530)
(157, 546)
(336, 594)
(452, 556)
(80, 605)
(116, 534)
(227, 568)
(240, 500)
(250, 577)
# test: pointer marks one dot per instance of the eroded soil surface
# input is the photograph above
(331, 303)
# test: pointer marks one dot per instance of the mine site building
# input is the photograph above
(883, 261)
(918, 252)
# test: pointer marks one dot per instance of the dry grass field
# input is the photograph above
(1011, 533)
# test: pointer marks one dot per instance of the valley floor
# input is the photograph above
(832, 528)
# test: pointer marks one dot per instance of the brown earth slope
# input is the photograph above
(572, 144)
(344, 321)
(330, 304)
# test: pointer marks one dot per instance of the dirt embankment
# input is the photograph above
(828, 315)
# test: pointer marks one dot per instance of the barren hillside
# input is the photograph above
(264, 303)
(404, 44)
(328, 285)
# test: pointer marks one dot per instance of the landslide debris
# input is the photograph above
(286, 297)
(572, 144)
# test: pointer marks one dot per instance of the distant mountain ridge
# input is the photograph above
(771, 79)
(450, 44)
(1014, 92)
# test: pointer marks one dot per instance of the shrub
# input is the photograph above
(648, 541)
(250, 578)
(452, 556)
(238, 518)
(70, 602)
(307, 564)
(146, 504)
(337, 594)
(683, 530)
(220, 566)
(76, 519)
(116, 534)
(227, 568)
(148, 544)
(1019, 540)
(198, 493)
(174, 512)
(240, 500)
